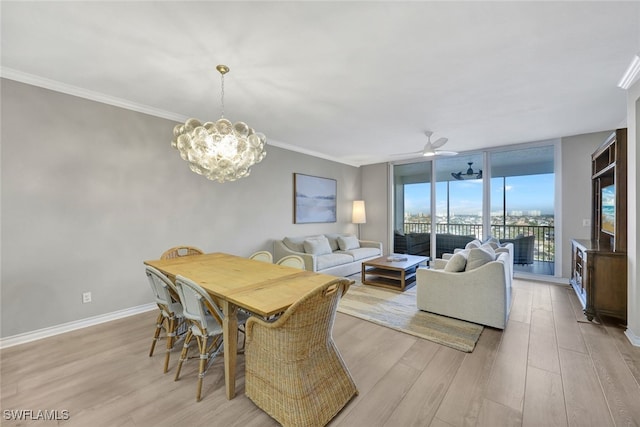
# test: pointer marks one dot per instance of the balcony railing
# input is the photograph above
(544, 246)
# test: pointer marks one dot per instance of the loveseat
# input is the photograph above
(474, 285)
(335, 254)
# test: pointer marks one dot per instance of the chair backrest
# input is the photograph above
(161, 287)
(309, 321)
(196, 303)
(179, 251)
(262, 256)
(292, 261)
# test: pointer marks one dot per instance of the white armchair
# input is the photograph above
(481, 295)
(498, 248)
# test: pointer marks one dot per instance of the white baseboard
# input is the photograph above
(72, 326)
(558, 280)
(633, 338)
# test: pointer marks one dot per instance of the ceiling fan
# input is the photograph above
(470, 174)
(432, 148)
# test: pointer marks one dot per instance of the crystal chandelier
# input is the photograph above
(220, 151)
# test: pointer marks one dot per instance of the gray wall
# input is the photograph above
(576, 190)
(375, 193)
(89, 191)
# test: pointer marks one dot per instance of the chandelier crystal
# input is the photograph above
(220, 151)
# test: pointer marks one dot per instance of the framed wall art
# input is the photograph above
(314, 199)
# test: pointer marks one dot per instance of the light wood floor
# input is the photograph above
(548, 368)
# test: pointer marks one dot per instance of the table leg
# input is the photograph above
(230, 335)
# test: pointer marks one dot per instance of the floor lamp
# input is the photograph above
(359, 215)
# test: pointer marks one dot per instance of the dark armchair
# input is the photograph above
(522, 249)
(412, 243)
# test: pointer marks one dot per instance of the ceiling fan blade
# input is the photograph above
(406, 154)
(446, 153)
(439, 142)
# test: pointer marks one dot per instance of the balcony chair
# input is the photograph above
(170, 318)
(522, 249)
(293, 370)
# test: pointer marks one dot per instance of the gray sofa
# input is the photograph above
(335, 254)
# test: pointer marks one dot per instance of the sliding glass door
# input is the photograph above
(441, 204)
(459, 195)
(412, 208)
(522, 206)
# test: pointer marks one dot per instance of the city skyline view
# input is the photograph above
(525, 195)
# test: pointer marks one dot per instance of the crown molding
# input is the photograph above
(631, 73)
(31, 79)
(312, 153)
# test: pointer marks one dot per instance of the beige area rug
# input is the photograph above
(397, 310)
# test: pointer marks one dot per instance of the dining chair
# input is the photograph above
(292, 261)
(170, 317)
(180, 251)
(206, 326)
(294, 363)
(262, 256)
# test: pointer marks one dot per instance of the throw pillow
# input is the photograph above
(317, 246)
(477, 258)
(487, 247)
(473, 244)
(296, 244)
(333, 241)
(493, 240)
(456, 263)
(348, 242)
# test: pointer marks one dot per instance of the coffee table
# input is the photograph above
(397, 274)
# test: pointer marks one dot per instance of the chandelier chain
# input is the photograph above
(222, 94)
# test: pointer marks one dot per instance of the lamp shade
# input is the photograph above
(359, 215)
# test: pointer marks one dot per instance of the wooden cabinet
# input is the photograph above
(599, 265)
(609, 193)
(597, 280)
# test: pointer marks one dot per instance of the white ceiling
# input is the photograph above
(351, 81)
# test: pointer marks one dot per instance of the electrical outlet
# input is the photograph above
(86, 297)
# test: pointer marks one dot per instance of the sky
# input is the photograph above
(524, 193)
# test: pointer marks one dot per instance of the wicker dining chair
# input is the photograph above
(292, 261)
(262, 256)
(293, 370)
(180, 251)
(206, 326)
(170, 317)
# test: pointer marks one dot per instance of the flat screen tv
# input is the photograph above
(608, 209)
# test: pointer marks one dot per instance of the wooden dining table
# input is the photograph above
(259, 287)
